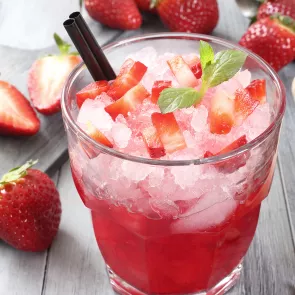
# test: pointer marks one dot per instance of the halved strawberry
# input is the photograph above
(153, 142)
(95, 134)
(47, 77)
(221, 113)
(158, 87)
(129, 76)
(91, 91)
(182, 72)
(195, 66)
(257, 89)
(128, 102)
(231, 165)
(17, 117)
(169, 132)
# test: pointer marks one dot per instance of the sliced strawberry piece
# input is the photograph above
(195, 66)
(231, 165)
(257, 90)
(169, 132)
(153, 143)
(47, 77)
(221, 114)
(158, 87)
(182, 72)
(17, 117)
(128, 102)
(98, 136)
(91, 91)
(130, 75)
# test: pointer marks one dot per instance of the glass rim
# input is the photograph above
(158, 162)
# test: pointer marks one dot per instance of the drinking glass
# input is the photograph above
(155, 236)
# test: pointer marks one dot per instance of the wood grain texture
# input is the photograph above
(22, 273)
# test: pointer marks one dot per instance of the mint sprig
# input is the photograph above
(216, 69)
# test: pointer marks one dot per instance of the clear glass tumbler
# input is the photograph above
(192, 243)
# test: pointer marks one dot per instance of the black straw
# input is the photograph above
(84, 50)
(93, 45)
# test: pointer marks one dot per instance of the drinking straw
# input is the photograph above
(93, 45)
(91, 61)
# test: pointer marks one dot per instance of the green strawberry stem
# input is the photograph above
(17, 173)
(285, 21)
(63, 46)
(154, 3)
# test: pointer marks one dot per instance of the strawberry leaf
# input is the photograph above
(206, 54)
(226, 64)
(172, 99)
(16, 173)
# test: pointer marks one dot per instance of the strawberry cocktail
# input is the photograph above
(174, 158)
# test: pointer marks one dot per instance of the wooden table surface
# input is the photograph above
(73, 265)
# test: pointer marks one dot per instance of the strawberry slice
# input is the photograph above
(91, 91)
(182, 72)
(17, 117)
(221, 113)
(158, 87)
(98, 136)
(231, 165)
(257, 89)
(153, 143)
(246, 100)
(195, 66)
(95, 134)
(169, 132)
(47, 77)
(128, 102)
(129, 76)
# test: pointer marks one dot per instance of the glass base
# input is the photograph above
(123, 288)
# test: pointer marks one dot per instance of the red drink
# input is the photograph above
(174, 182)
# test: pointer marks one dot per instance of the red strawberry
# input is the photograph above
(95, 134)
(47, 77)
(231, 165)
(273, 38)
(182, 72)
(257, 90)
(17, 117)
(221, 114)
(282, 7)
(129, 76)
(195, 66)
(246, 100)
(128, 102)
(158, 87)
(169, 132)
(153, 143)
(116, 14)
(91, 91)
(145, 5)
(193, 16)
(30, 209)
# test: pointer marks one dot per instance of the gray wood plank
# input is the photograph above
(75, 265)
(287, 142)
(22, 273)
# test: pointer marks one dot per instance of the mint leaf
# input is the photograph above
(172, 99)
(226, 64)
(206, 54)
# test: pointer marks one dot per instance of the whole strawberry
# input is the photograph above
(116, 14)
(282, 7)
(273, 38)
(48, 75)
(194, 16)
(30, 209)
